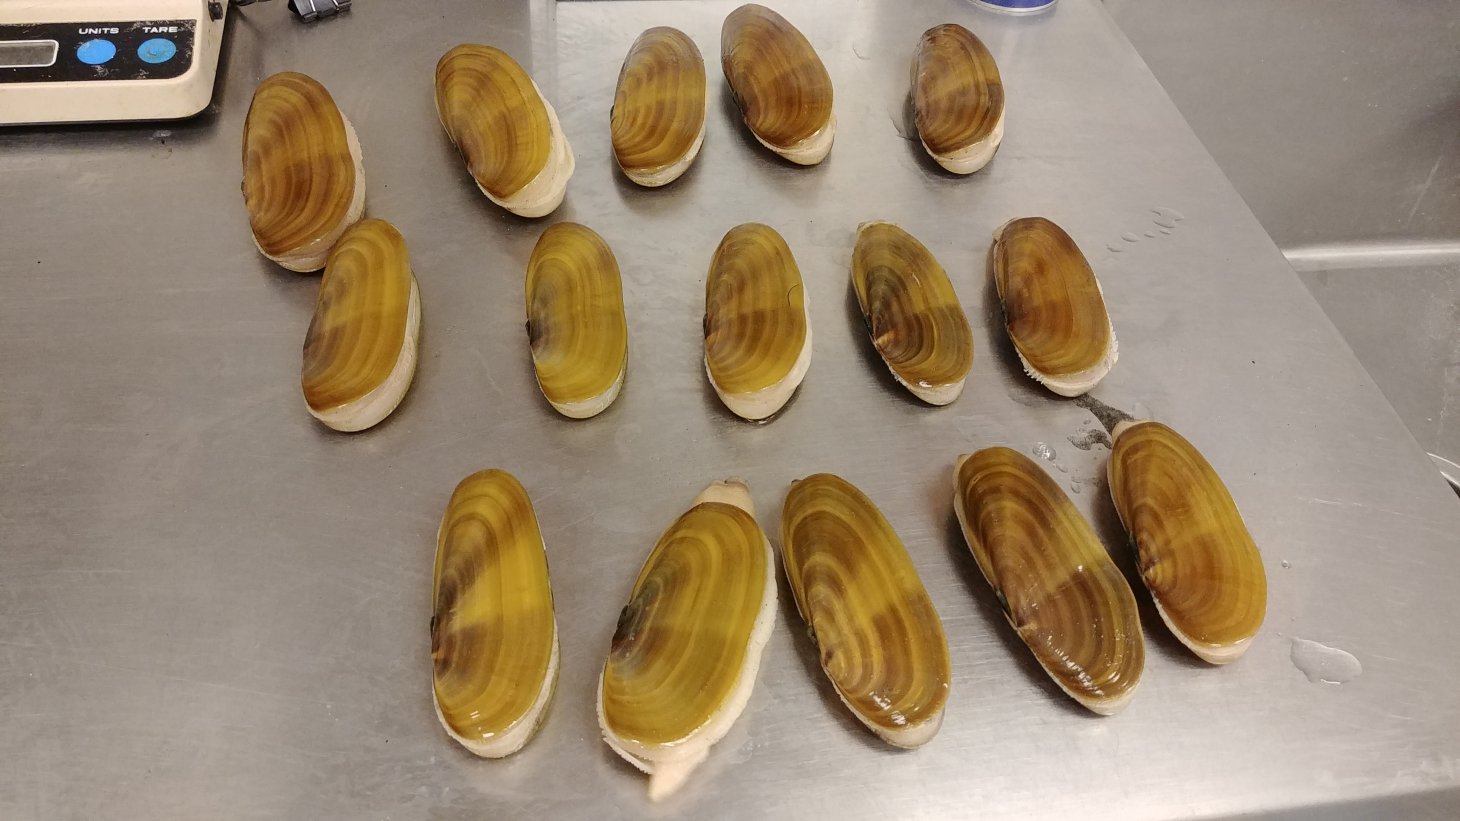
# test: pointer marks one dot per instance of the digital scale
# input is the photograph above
(70, 61)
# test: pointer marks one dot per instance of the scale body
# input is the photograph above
(71, 61)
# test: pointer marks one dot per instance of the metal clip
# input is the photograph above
(311, 10)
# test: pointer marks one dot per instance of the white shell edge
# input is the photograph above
(1080, 382)
(809, 151)
(593, 406)
(973, 156)
(370, 409)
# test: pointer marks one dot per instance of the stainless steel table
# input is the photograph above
(212, 607)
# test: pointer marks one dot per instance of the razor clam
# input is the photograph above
(958, 98)
(685, 654)
(880, 640)
(779, 84)
(658, 117)
(1053, 307)
(757, 322)
(494, 639)
(1195, 554)
(575, 320)
(912, 313)
(360, 350)
(1055, 582)
(303, 183)
(506, 131)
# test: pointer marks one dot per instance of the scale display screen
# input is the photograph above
(28, 53)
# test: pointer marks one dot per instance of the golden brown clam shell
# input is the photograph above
(912, 313)
(958, 98)
(360, 350)
(1194, 551)
(658, 116)
(575, 320)
(757, 322)
(506, 131)
(303, 183)
(880, 639)
(1054, 310)
(685, 654)
(494, 639)
(779, 84)
(1053, 578)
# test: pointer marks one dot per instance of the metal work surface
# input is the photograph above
(210, 606)
(1337, 120)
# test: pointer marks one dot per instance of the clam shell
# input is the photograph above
(958, 98)
(494, 639)
(912, 313)
(881, 641)
(1194, 551)
(757, 322)
(1053, 578)
(360, 350)
(506, 131)
(685, 654)
(1053, 307)
(575, 320)
(658, 116)
(303, 183)
(779, 84)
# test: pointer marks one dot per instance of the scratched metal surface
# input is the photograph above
(212, 607)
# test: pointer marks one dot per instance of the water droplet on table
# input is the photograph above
(1321, 663)
(1287, 563)
(1167, 217)
(1130, 237)
(1044, 451)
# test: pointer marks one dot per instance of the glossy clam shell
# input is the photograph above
(958, 98)
(1054, 310)
(779, 84)
(303, 183)
(575, 320)
(916, 322)
(1053, 578)
(494, 638)
(658, 118)
(360, 350)
(1195, 554)
(506, 131)
(685, 654)
(757, 322)
(880, 639)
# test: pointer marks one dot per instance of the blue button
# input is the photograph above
(96, 52)
(157, 50)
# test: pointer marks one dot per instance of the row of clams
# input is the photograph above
(683, 659)
(360, 350)
(514, 147)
